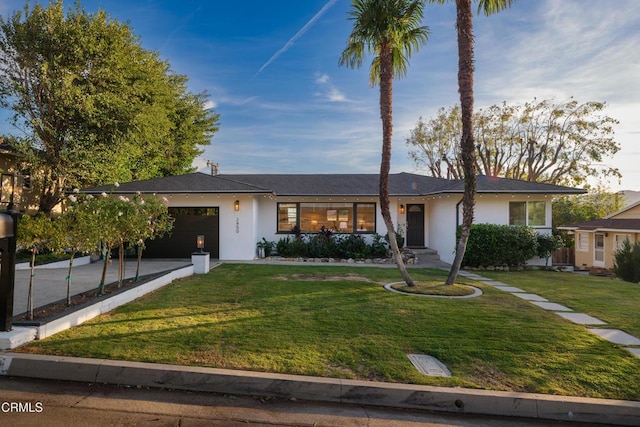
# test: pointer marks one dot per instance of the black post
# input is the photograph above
(8, 272)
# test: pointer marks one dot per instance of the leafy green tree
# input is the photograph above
(92, 104)
(597, 203)
(543, 141)
(391, 30)
(79, 232)
(35, 234)
(547, 243)
(150, 220)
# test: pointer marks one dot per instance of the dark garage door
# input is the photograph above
(189, 223)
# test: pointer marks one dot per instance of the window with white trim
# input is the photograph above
(618, 240)
(533, 213)
(582, 242)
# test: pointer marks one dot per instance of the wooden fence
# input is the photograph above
(564, 256)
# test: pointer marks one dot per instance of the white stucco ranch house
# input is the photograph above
(234, 212)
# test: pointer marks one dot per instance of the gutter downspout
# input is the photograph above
(458, 214)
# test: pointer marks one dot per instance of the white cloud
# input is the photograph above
(328, 90)
(209, 105)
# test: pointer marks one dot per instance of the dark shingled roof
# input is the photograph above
(401, 184)
(491, 184)
(626, 224)
(189, 183)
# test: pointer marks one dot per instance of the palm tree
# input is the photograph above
(464, 27)
(391, 30)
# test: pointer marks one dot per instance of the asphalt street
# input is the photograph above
(69, 404)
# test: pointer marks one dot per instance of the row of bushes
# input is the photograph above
(326, 245)
(511, 245)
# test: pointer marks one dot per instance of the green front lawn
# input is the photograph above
(340, 322)
(611, 300)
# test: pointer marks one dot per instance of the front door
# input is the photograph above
(598, 250)
(415, 226)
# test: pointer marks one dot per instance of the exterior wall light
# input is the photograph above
(402, 209)
(236, 205)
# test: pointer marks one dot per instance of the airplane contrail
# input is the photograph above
(299, 34)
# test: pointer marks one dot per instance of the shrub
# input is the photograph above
(288, 247)
(627, 262)
(321, 245)
(352, 246)
(491, 244)
(547, 243)
(327, 245)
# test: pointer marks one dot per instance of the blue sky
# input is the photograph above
(271, 70)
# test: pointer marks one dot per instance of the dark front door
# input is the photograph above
(415, 226)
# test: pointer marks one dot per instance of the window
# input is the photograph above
(287, 216)
(619, 240)
(339, 217)
(366, 217)
(533, 214)
(583, 242)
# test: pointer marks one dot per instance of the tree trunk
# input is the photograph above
(120, 263)
(30, 296)
(69, 278)
(107, 256)
(386, 100)
(464, 25)
(138, 265)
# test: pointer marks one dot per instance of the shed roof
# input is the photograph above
(605, 224)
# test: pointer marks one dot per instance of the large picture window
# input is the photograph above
(339, 217)
(533, 214)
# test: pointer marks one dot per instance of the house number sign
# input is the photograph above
(237, 225)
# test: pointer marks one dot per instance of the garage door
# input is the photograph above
(188, 224)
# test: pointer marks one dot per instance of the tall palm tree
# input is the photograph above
(464, 27)
(391, 30)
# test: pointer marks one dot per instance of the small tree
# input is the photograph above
(108, 213)
(79, 232)
(547, 243)
(150, 220)
(35, 234)
(627, 262)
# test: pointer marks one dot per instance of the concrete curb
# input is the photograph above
(457, 400)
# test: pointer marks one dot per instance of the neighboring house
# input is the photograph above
(25, 198)
(234, 212)
(597, 241)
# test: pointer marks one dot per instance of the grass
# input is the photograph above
(340, 322)
(613, 301)
(434, 287)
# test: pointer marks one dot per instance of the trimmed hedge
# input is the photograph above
(497, 245)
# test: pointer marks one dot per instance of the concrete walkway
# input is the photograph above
(616, 336)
